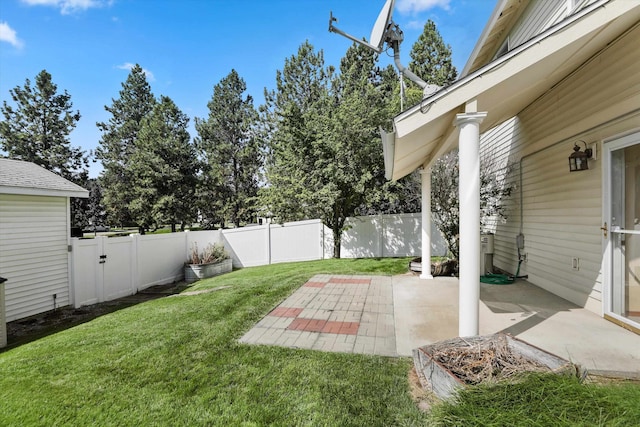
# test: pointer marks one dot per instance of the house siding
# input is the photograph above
(562, 211)
(33, 253)
(538, 16)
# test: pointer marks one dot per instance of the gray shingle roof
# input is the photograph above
(18, 177)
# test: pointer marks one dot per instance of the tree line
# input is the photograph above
(312, 150)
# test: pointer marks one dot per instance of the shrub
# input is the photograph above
(212, 253)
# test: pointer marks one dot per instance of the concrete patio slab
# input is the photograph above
(391, 316)
(427, 312)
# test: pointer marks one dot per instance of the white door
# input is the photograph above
(622, 229)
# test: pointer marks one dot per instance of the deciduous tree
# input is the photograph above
(325, 154)
(495, 188)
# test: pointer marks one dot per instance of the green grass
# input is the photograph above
(176, 362)
(543, 400)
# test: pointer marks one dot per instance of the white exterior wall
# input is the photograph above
(33, 253)
(562, 212)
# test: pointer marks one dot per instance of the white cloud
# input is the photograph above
(9, 35)
(129, 66)
(415, 6)
(67, 6)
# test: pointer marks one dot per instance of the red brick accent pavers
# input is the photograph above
(350, 281)
(315, 284)
(286, 312)
(344, 328)
(307, 325)
(316, 325)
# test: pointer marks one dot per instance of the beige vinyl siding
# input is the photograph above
(33, 253)
(562, 213)
(563, 210)
(538, 16)
(500, 145)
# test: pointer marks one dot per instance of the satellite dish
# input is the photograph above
(380, 27)
(386, 31)
(379, 34)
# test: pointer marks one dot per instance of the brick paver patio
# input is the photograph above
(352, 314)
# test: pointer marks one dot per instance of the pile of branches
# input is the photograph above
(479, 359)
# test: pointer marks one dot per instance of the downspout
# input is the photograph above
(388, 152)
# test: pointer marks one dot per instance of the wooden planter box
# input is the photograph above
(195, 272)
(436, 377)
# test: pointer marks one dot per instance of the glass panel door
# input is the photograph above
(624, 220)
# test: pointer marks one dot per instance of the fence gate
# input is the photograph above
(117, 261)
(103, 269)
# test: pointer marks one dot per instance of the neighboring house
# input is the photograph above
(34, 238)
(545, 76)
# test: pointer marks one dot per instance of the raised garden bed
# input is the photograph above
(450, 365)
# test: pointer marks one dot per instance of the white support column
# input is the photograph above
(469, 267)
(426, 223)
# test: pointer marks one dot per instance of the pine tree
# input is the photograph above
(95, 213)
(118, 143)
(229, 144)
(164, 169)
(37, 130)
(431, 57)
(288, 124)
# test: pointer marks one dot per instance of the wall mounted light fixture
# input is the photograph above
(578, 160)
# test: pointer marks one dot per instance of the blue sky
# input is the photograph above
(188, 46)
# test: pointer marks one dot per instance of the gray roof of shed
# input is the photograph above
(19, 177)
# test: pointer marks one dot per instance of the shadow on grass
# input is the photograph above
(29, 329)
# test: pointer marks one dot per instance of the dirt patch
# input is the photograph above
(423, 398)
(203, 291)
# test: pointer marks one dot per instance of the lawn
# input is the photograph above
(176, 361)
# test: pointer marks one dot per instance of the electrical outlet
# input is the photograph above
(575, 263)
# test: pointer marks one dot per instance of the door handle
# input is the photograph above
(604, 229)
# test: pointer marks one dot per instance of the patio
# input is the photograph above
(391, 316)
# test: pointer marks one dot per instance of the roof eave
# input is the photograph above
(426, 130)
(30, 191)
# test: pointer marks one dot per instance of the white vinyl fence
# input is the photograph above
(275, 243)
(387, 236)
(104, 269)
